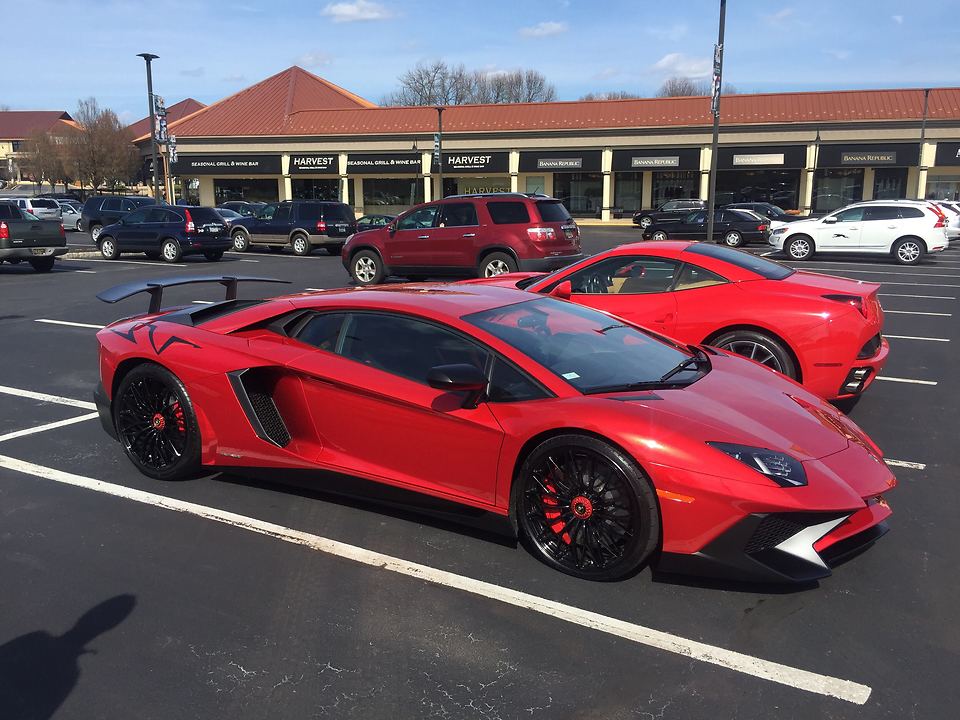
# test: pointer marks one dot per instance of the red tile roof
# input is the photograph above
(271, 116)
(175, 112)
(267, 107)
(21, 124)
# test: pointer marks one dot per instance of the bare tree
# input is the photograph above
(683, 87)
(44, 158)
(102, 151)
(437, 83)
(612, 95)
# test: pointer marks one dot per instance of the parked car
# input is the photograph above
(101, 210)
(303, 225)
(167, 232)
(904, 229)
(25, 237)
(820, 330)
(772, 212)
(731, 227)
(229, 216)
(369, 222)
(43, 208)
(247, 209)
(952, 211)
(610, 447)
(670, 211)
(466, 236)
(70, 213)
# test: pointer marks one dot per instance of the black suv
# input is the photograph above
(302, 224)
(168, 233)
(101, 210)
(670, 211)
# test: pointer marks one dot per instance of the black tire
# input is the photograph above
(366, 268)
(300, 244)
(645, 221)
(659, 235)
(170, 250)
(241, 241)
(908, 251)
(760, 347)
(335, 249)
(213, 255)
(95, 232)
(733, 239)
(156, 423)
(800, 247)
(585, 508)
(496, 263)
(42, 265)
(108, 247)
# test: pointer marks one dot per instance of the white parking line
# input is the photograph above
(906, 380)
(891, 272)
(313, 289)
(48, 426)
(202, 302)
(86, 272)
(248, 260)
(928, 297)
(914, 337)
(905, 464)
(916, 284)
(912, 312)
(134, 262)
(70, 324)
(43, 397)
(774, 672)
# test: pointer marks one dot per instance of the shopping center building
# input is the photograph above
(295, 135)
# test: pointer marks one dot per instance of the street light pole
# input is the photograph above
(923, 136)
(715, 109)
(440, 147)
(148, 58)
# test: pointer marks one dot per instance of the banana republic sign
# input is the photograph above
(876, 157)
(314, 164)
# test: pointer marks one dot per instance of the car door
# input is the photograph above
(637, 288)
(455, 237)
(692, 226)
(279, 226)
(410, 245)
(131, 231)
(840, 231)
(881, 226)
(704, 301)
(375, 414)
(260, 227)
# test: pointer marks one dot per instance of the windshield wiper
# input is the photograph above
(606, 329)
(700, 361)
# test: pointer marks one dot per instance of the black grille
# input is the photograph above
(772, 531)
(266, 412)
(871, 348)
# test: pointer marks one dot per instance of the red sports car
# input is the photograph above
(607, 446)
(820, 330)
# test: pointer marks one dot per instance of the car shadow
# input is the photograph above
(733, 586)
(38, 671)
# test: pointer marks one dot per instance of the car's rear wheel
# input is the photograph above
(300, 244)
(44, 264)
(170, 251)
(800, 248)
(759, 347)
(585, 508)
(366, 267)
(213, 255)
(108, 248)
(77, 226)
(497, 263)
(156, 423)
(95, 232)
(241, 241)
(908, 251)
(733, 239)
(659, 235)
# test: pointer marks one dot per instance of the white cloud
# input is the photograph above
(315, 58)
(680, 65)
(779, 17)
(673, 33)
(898, 19)
(356, 11)
(544, 29)
(838, 54)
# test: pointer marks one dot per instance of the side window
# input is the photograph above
(267, 212)
(673, 205)
(6, 212)
(364, 223)
(282, 214)
(128, 205)
(406, 347)
(697, 218)
(112, 204)
(881, 212)
(322, 331)
(458, 215)
(508, 213)
(910, 213)
(507, 384)
(306, 212)
(418, 219)
(170, 216)
(851, 215)
(692, 277)
(625, 275)
(135, 218)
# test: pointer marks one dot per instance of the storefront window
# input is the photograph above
(943, 187)
(680, 185)
(316, 189)
(391, 196)
(265, 190)
(474, 185)
(581, 193)
(628, 191)
(889, 183)
(535, 184)
(833, 188)
(779, 187)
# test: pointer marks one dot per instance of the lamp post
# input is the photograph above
(715, 109)
(439, 152)
(148, 58)
(921, 180)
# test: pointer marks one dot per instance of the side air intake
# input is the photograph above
(255, 396)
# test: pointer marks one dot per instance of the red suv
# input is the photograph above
(467, 235)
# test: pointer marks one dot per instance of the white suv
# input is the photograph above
(905, 229)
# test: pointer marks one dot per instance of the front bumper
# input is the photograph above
(26, 253)
(549, 263)
(102, 402)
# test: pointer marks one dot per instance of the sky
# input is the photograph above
(211, 49)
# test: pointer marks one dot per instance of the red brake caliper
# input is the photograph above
(178, 414)
(553, 516)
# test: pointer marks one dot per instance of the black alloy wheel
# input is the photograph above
(156, 423)
(759, 347)
(586, 509)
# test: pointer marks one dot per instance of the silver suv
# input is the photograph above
(43, 208)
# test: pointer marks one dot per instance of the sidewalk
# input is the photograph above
(623, 222)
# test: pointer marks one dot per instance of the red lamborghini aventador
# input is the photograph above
(820, 330)
(606, 445)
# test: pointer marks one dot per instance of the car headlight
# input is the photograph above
(779, 231)
(784, 470)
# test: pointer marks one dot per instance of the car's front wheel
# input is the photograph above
(759, 347)
(170, 251)
(108, 248)
(366, 267)
(733, 239)
(95, 231)
(156, 423)
(497, 263)
(908, 251)
(800, 248)
(645, 221)
(583, 507)
(659, 235)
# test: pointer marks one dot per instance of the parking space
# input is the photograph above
(340, 599)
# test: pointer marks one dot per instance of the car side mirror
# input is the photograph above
(122, 221)
(563, 291)
(460, 377)
(829, 220)
(391, 228)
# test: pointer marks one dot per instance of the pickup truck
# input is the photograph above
(25, 237)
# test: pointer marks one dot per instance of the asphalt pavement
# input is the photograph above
(241, 597)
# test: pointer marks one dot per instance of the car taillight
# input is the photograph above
(4, 231)
(539, 234)
(762, 228)
(189, 227)
(63, 234)
(854, 300)
(941, 218)
(321, 226)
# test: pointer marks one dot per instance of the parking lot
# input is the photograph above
(233, 597)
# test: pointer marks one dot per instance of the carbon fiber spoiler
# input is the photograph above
(156, 287)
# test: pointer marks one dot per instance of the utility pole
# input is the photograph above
(148, 58)
(439, 147)
(923, 135)
(715, 109)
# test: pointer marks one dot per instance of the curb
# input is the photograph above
(81, 254)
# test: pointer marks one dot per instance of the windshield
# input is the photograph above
(592, 351)
(761, 266)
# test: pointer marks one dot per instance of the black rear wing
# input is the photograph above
(156, 287)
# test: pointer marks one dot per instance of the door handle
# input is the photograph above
(839, 235)
(666, 318)
(423, 237)
(469, 235)
(891, 227)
